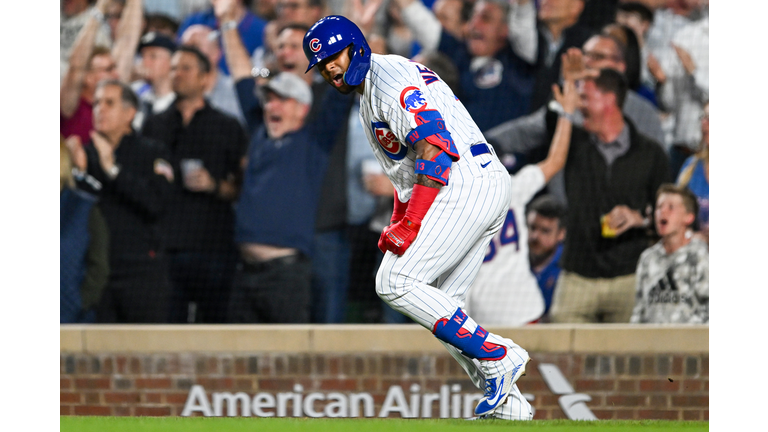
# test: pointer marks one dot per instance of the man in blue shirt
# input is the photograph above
(546, 231)
(496, 65)
(275, 216)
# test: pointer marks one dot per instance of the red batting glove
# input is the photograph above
(398, 211)
(396, 238)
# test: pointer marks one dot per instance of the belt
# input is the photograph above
(479, 149)
(261, 266)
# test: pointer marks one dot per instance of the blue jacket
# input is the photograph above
(499, 91)
(281, 185)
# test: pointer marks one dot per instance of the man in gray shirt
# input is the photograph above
(528, 133)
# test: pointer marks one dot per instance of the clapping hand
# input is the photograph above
(77, 152)
(655, 69)
(105, 150)
(685, 59)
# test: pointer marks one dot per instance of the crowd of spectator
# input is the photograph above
(206, 178)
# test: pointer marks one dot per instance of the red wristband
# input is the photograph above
(399, 210)
(421, 200)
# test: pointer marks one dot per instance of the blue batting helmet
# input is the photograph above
(332, 34)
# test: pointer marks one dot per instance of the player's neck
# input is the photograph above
(360, 88)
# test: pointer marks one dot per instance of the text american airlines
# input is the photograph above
(448, 403)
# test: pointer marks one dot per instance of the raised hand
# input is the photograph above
(569, 98)
(573, 67)
(224, 10)
(364, 14)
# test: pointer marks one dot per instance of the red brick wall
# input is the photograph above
(666, 386)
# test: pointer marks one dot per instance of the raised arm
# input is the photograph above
(235, 53)
(127, 38)
(422, 22)
(522, 29)
(561, 142)
(71, 87)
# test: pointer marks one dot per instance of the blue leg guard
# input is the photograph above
(472, 345)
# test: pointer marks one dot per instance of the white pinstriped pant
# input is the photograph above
(449, 250)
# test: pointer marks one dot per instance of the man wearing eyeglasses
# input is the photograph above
(611, 175)
(528, 135)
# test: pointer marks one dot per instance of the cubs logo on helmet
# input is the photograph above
(392, 147)
(412, 99)
(315, 45)
(332, 34)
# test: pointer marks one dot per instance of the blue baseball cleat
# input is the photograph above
(497, 389)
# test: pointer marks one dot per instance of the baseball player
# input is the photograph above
(507, 293)
(451, 196)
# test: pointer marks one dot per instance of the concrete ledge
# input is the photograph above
(341, 339)
(646, 338)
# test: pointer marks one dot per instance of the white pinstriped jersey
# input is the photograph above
(395, 89)
(505, 291)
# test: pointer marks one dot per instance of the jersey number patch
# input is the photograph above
(392, 147)
(507, 235)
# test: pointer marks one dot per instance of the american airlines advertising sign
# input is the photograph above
(408, 403)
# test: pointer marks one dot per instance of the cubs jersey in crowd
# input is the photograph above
(505, 291)
(400, 95)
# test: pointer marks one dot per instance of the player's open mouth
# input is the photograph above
(338, 80)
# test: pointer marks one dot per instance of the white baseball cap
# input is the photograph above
(288, 85)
